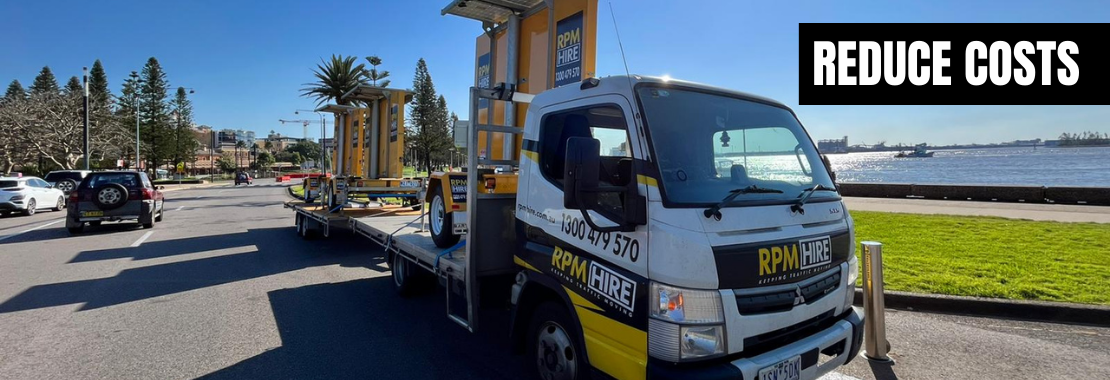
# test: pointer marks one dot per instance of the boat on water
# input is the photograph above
(918, 151)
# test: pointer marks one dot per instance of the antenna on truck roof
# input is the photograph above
(621, 45)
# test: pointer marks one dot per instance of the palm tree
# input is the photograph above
(239, 144)
(335, 78)
(374, 75)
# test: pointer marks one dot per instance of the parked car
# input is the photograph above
(114, 196)
(243, 177)
(27, 195)
(66, 180)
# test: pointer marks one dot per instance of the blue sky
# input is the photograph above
(248, 59)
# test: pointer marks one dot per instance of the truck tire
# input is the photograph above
(441, 221)
(554, 347)
(403, 278)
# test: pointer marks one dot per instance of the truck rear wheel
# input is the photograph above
(405, 279)
(441, 221)
(553, 347)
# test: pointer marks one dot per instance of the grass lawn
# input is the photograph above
(991, 257)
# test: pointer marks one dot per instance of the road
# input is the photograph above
(223, 288)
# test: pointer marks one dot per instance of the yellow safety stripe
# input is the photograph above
(531, 155)
(645, 180)
(521, 262)
(615, 348)
(578, 301)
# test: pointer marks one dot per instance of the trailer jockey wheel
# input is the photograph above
(441, 221)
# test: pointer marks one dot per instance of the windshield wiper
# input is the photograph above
(804, 196)
(715, 210)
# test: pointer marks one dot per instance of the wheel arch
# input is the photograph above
(536, 290)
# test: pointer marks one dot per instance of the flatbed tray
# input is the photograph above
(402, 234)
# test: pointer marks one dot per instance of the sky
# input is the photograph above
(246, 60)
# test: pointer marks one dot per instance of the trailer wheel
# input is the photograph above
(554, 350)
(441, 221)
(404, 280)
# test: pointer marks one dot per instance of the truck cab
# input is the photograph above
(688, 231)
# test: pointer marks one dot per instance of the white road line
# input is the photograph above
(142, 239)
(5, 237)
(177, 209)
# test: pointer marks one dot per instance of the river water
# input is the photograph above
(995, 166)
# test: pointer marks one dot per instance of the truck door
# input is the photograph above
(604, 273)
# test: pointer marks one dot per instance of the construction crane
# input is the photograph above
(304, 124)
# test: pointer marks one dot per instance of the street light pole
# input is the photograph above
(136, 81)
(323, 137)
(85, 81)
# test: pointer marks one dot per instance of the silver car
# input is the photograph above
(27, 195)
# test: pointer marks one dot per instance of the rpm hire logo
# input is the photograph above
(616, 289)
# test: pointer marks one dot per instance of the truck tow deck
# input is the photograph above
(402, 235)
(314, 217)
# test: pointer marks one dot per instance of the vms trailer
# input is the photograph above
(634, 227)
(367, 166)
(636, 253)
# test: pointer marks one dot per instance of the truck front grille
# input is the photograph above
(782, 298)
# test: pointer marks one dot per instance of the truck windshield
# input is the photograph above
(707, 145)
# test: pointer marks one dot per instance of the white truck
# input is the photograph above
(657, 229)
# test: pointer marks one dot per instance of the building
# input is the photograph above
(327, 144)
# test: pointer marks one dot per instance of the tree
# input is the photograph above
(335, 78)
(307, 149)
(427, 120)
(269, 145)
(15, 91)
(45, 83)
(377, 78)
(226, 164)
(99, 93)
(154, 113)
(239, 145)
(185, 146)
(264, 161)
(74, 87)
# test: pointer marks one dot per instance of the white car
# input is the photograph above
(28, 194)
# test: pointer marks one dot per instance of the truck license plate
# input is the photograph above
(92, 213)
(789, 369)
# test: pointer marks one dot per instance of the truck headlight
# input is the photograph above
(853, 274)
(686, 324)
(686, 306)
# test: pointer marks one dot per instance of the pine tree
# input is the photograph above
(154, 113)
(15, 91)
(74, 87)
(99, 94)
(185, 146)
(427, 116)
(377, 78)
(44, 83)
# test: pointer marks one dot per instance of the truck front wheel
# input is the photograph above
(553, 348)
(441, 221)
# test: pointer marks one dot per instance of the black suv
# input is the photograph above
(65, 180)
(114, 196)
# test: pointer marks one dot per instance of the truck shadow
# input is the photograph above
(362, 329)
(275, 251)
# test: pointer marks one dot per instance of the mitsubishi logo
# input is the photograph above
(798, 297)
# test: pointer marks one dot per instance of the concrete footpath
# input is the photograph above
(1045, 212)
(938, 346)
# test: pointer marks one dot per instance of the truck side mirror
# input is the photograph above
(580, 173)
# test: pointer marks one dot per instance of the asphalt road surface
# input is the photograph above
(223, 288)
